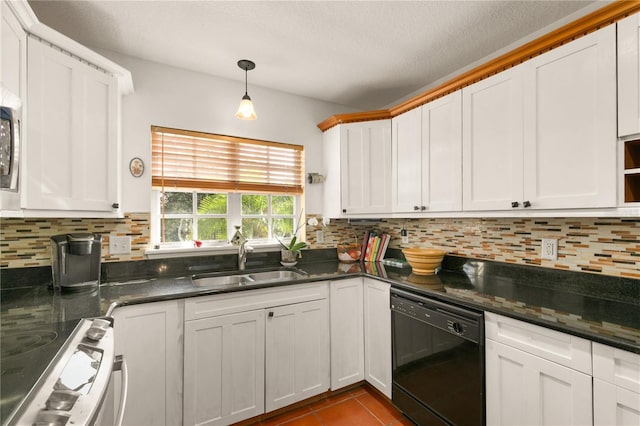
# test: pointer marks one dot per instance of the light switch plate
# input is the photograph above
(119, 244)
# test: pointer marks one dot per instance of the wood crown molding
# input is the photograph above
(602, 17)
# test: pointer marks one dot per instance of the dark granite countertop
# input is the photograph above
(602, 309)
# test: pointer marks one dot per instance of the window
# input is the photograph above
(205, 185)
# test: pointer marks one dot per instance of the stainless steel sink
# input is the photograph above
(246, 279)
(279, 275)
(221, 281)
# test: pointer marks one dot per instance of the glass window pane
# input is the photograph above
(282, 204)
(283, 227)
(255, 228)
(178, 202)
(212, 204)
(178, 230)
(254, 204)
(212, 229)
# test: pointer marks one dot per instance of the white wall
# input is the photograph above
(173, 97)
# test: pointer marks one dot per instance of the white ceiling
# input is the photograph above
(362, 54)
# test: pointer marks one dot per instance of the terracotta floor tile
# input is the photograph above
(349, 412)
(356, 407)
(332, 400)
(403, 422)
(308, 420)
(385, 413)
(286, 417)
(358, 391)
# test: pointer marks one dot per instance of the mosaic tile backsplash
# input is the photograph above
(25, 242)
(609, 246)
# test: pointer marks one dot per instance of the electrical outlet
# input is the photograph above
(319, 237)
(119, 245)
(549, 249)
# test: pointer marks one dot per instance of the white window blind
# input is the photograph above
(195, 160)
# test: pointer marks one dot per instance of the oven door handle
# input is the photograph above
(120, 364)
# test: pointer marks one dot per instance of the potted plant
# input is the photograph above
(290, 252)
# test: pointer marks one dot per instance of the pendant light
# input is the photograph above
(245, 110)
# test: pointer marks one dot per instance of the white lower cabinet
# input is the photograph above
(149, 336)
(535, 376)
(616, 386)
(377, 335)
(347, 332)
(297, 353)
(614, 405)
(224, 368)
(254, 351)
(524, 389)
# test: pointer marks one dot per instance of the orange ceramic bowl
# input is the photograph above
(423, 261)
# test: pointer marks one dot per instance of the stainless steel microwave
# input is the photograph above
(9, 148)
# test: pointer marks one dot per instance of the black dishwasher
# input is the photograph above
(438, 361)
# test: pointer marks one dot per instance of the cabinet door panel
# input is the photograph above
(72, 153)
(614, 405)
(149, 337)
(347, 333)
(406, 163)
(525, 389)
(492, 141)
(365, 159)
(51, 108)
(14, 50)
(377, 335)
(570, 124)
(442, 154)
(224, 368)
(297, 353)
(629, 75)
(98, 133)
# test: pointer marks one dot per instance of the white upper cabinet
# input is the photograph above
(492, 135)
(406, 163)
(365, 156)
(542, 135)
(72, 151)
(13, 73)
(427, 157)
(14, 53)
(442, 153)
(357, 166)
(570, 124)
(629, 76)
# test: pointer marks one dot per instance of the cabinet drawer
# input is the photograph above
(222, 304)
(616, 366)
(562, 348)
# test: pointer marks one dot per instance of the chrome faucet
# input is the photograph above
(241, 241)
(242, 255)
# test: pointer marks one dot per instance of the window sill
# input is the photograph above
(167, 252)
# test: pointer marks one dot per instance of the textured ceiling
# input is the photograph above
(362, 54)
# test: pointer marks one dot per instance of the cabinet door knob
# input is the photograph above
(115, 205)
(514, 204)
(416, 208)
(423, 208)
(271, 314)
(344, 210)
(526, 204)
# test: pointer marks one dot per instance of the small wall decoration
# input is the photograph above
(136, 167)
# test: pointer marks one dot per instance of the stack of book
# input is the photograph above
(374, 246)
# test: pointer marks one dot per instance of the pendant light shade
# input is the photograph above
(245, 110)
